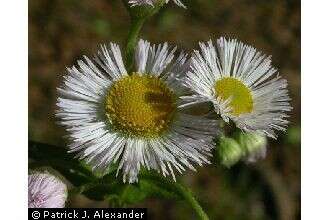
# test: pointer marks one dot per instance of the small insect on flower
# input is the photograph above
(133, 118)
(46, 191)
(152, 2)
(241, 84)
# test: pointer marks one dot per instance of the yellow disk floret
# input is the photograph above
(242, 101)
(140, 105)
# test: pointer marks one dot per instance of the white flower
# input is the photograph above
(241, 84)
(151, 2)
(133, 119)
(46, 191)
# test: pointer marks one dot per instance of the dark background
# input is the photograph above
(61, 31)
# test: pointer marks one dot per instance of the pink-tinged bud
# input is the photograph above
(46, 191)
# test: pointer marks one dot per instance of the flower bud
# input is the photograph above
(46, 191)
(151, 3)
(142, 10)
(254, 145)
(229, 151)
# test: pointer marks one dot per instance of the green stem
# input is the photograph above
(81, 189)
(188, 196)
(138, 14)
(132, 39)
(184, 192)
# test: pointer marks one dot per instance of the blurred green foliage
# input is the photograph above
(61, 31)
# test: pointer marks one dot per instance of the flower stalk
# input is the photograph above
(190, 199)
(138, 17)
(179, 189)
(133, 36)
(138, 14)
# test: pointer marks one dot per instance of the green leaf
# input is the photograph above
(109, 187)
(156, 185)
(132, 194)
(100, 192)
(155, 190)
(48, 155)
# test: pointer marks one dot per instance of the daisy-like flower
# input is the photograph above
(46, 191)
(242, 85)
(152, 2)
(133, 118)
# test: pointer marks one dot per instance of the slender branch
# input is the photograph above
(184, 192)
(132, 39)
(46, 154)
(138, 14)
(282, 195)
(81, 189)
(188, 196)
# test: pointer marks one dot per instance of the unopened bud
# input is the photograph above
(151, 3)
(143, 9)
(254, 144)
(229, 151)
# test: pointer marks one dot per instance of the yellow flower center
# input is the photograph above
(242, 101)
(141, 106)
